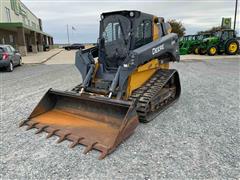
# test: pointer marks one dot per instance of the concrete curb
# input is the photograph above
(47, 59)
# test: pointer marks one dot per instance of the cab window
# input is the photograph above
(225, 35)
(143, 33)
(112, 32)
(231, 34)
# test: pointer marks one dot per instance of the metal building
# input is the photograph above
(21, 28)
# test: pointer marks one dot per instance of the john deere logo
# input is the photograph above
(157, 49)
(226, 23)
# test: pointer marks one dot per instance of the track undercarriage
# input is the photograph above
(161, 90)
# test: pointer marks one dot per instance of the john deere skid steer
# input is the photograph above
(126, 79)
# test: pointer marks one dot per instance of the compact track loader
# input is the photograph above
(126, 80)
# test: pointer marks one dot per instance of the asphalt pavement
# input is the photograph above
(196, 138)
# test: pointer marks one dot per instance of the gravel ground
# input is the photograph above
(196, 138)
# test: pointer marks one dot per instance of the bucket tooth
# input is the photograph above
(62, 138)
(52, 133)
(22, 123)
(89, 148)
(41, 129)
(103, 155)
(31, 126)
(74, 143)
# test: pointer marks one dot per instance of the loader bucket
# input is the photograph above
(97, 123)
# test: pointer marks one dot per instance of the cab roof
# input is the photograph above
(126, 13)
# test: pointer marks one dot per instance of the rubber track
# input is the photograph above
(145, 95)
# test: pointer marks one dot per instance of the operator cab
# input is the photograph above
(122, 31)
(114, 39)
(225, 34)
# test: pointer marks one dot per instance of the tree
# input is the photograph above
(177, 27)
(211, 30)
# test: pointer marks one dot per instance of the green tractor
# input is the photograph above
(223, 41)
(182, 40)
(191, 43)
(198, 41)
(185, 45)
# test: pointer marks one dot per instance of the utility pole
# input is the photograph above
(235, 16)
(68, 34)
(72, 37)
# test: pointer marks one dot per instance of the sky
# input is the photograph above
(84, 15)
